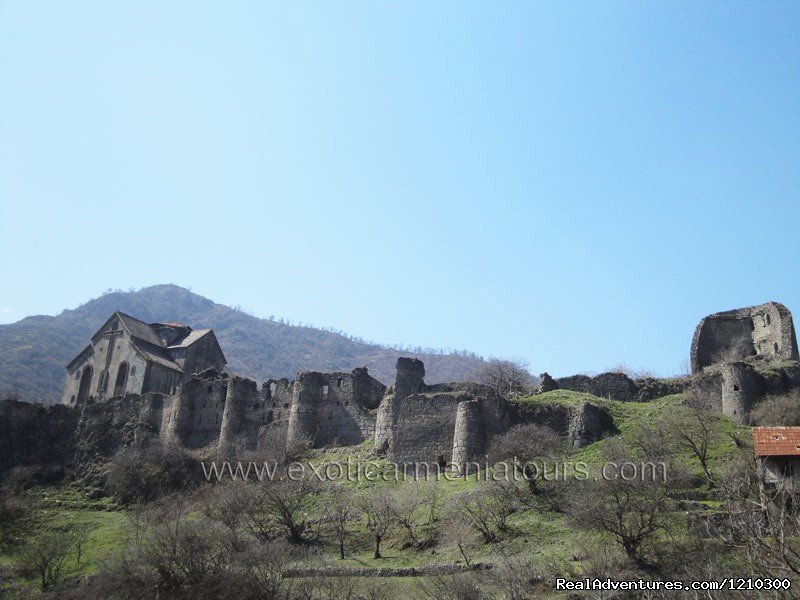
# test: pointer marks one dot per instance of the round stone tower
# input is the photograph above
(740, 390)
(240, 391)
(384, 425)
(307, 404)
(468, 435)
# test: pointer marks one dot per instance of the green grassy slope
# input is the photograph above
(539, 536)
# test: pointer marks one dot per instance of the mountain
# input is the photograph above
(34, 351)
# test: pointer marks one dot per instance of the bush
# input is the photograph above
(778, 410)
(44, 558)
(146, 474)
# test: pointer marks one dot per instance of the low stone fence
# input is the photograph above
(428, 571)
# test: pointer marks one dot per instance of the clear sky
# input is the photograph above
(576, 184)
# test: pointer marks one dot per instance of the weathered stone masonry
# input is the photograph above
(738, 357)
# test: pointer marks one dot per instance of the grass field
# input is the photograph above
(538, 536)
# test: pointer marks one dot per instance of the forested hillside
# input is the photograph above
(33, 351)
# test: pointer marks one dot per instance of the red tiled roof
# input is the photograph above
(776, 441)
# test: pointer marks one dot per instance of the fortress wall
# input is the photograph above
(579, 425)
(385, 421)
(332, 408)
(176, 420)
(409, 378)
(424, 427)
(304, 413)
(207, 406)
(278, 394)
(723, 338)
(344, 420)
(235, 428)
(765, 331)
(616, 386)
(773, 331)
(468, 439)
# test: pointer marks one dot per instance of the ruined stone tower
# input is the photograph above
(410, 378)
(756, 332)
(745, 354)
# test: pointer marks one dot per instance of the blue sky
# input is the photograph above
(576, 184)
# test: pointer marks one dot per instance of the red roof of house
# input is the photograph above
(776, 441)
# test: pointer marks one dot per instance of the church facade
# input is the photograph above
(127, 355)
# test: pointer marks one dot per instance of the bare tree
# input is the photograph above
(507, 377)
(762, 520)
(379, 510)
(693, 429)
(634, 510)
(340, 509)
(227, 505)
(487, 510)
(778, 410)
(80, 535)
(459, 531)
(527, 448)
(265, 567)
(45, 557)
(283, 504)
(407, 501)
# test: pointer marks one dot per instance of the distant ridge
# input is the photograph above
(33, 351)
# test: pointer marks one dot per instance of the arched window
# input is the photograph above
(122, 379)
(86, 381)
(103, 381)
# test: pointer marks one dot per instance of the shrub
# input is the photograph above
(145, 474)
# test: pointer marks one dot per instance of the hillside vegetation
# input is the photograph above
(34, 351)
(525, 543)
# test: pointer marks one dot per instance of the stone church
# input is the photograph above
(127, 355)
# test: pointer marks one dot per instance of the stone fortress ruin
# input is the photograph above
(749, 352)
(172, 382)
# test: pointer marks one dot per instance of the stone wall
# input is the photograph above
(239, 427)
(334, 408)
(755, 332)
(410, 377)
(95, 361)
(616, 386)
(468, 438)
(424, 426)
(580, 424)
(203, 354)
